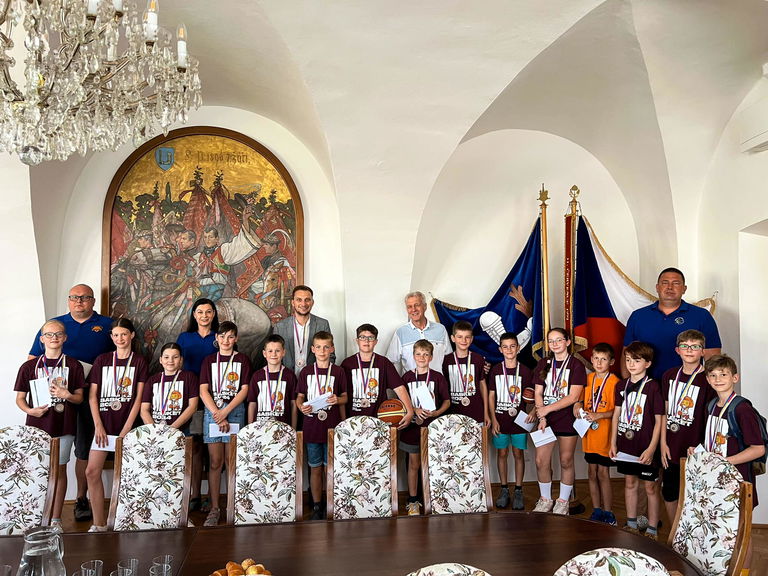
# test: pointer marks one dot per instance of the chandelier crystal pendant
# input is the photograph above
(95, 73)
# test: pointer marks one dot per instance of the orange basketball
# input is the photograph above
(391, 411)
(529, 395)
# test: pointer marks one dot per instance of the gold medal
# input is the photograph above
(58, 407)
(322, 415)
(465, 401)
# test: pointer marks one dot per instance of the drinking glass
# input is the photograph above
(93, 567)
(160, 570)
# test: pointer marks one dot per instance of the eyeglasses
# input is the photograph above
(80, 298)
(690, 346)
(367, 338)
(555, 341)
(51, 335)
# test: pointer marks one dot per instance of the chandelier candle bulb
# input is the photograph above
(93, 7)
(150, 21)
(181, 46)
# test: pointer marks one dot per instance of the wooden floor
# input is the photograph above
(759, 535)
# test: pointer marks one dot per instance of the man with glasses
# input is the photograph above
(88, 335)
(659, 324)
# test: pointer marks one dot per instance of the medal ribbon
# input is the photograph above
(273, 395)
(627, 414)
(115, 380)
(227, 368)
(558, 375)
(463, 378)
(596, 399)
(516, 380)
(321, 390)
(302, 342)
(367, 379)
(42, 360)
(163, 395)
(714, 423)
(678, 398)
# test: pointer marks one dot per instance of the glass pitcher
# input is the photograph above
(43, 553)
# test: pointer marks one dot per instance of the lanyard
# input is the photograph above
(514, 387)
(628, 415)
(464, 378)
(42, 360)
(164, 397)
(678, 397)
(558, 375)
(273, 395)
(115, 380)
(325, 387)
(226, 370)
(713, 425)
(596, 399)
(301, 342)
(367, 380)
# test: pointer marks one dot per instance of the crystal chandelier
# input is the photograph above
(94, 75)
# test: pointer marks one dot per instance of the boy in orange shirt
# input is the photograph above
(599, 402)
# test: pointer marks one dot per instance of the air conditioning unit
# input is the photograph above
(753, 127)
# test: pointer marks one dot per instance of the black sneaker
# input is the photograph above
(503, 500)
(82, 510)
(317, 512)
(517, 501)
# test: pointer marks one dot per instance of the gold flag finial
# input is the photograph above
(543, 195)
(573, 205)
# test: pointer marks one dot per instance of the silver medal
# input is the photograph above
(322, 415)
(594, 426)
(629, 434)
(116, 405)
(546, 402)
(674, 427)
(465, 401)
(58, 407)
(219, 403)
(365, 404)
(512, 412)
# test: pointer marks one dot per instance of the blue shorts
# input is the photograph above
(237, 416)
(503, 441)
(317, 454)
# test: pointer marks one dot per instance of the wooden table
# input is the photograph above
(507, 543)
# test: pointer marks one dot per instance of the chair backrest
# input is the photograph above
(265, 464)
(612, 561)
(712, 527)
(449, 569)
(362, 469)
(29, 468)
(454, 466)
(151, 483)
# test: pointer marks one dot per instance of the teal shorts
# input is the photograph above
(503, 441)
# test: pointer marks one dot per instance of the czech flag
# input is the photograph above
(599, 297)
(516, 307)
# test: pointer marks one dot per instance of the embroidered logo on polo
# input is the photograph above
(679, 320)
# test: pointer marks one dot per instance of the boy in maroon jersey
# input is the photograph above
(466, 377)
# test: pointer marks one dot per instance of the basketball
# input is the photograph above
(529, 395)
(391, 411)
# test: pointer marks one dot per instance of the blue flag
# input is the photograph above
(516, 307)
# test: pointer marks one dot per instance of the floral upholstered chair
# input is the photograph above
(265, 473)
(29, 467)
(456, 477)
(449, 569)
(362, 469)
(711, 526)
(151, 482)
(612, 562)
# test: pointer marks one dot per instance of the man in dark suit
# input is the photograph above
(298, 330)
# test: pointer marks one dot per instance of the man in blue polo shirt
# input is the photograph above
(661, 322)
(88, 335)
(400, 351)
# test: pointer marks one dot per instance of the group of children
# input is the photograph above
(641, 426)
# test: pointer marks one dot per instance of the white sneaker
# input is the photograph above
(544, 505)
(561, 507)
(414, 508)
(95, 528)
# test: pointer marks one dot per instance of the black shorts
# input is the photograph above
(670, 483)
(642, 471)
(85, 431)
(592, 458)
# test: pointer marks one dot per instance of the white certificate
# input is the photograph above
(624, 457)
(542, 437)
(425, 399)
(520, 421)
(40, 392)
(110, 447)
(215, 432)
(581, 426)
(319, 402)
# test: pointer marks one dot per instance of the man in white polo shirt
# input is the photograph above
(400, 351)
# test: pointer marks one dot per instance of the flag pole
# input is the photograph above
(571, 226)
(543, 197)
